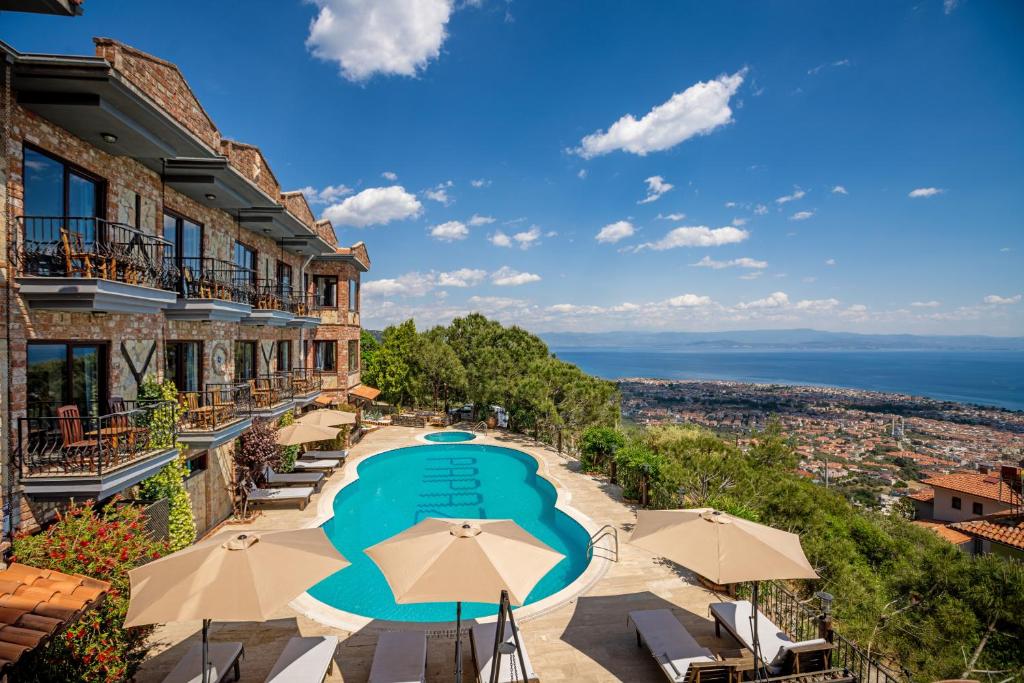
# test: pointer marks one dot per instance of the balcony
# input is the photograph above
(271, 304)
(87, 456)
(305, 308)
(90, 264)
(211, 289)
(272, 395)
(215, 416)
(306, 384)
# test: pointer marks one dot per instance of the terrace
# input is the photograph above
(62, 453)
(211, 289)
(214, 416)
(91, 264)
(275, 393)
(271, 304)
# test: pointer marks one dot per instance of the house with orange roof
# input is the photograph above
(1000, 534)
(961, 496)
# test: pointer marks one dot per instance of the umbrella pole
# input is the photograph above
(458, 642)
(758, 662)
(206, 651)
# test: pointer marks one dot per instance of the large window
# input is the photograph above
(284, 278)
(186, 238)
(326, 290)
(326, 355)
(183, 364)
(245, 262)
(353, 355)
(59, 195)
(353, 295)
(957, 503)
(245, 360)
(284, 355)
(64, 374)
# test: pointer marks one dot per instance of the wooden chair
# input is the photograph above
(78, 261)
(136, 436)
(197, 415)
(85, 451)
(261, 395)
(222, 410)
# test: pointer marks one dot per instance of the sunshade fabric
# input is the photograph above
(455, 560)
(301, 432)
(364, 392)
(328, 418)
(720, 546)
(233, 576)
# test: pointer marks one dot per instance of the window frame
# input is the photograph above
(353, 295)
(250, 343)
(192, 471)
(977, 508)
(254, 270)
(316, 290)
(282, 268)
(69, 363)
(69, 168)
(957, 503)
(329, 343)
(201, 375)
(283, 344)
(353, 367)
(179, 223)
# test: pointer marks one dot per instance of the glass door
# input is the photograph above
(65, 374)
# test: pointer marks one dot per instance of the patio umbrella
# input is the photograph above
(723, 548)
(328, 418)
(231, 577)
(299, 432)
(463, 560)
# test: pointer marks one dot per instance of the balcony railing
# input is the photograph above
(70, 444)
(304, 304)
(209, 278)
(306, 381)
(268, 295)
(87, 247)
(269, 390)
(219, 406)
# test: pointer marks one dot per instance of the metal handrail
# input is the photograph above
(479, 428)
(213, 408)
(604, 532)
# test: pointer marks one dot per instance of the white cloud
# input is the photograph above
(700, 236)
(830, 262)
(390, 175)
(477, 219)
(581, 174)
(760, 209)
(450, 231)
(797, 194)
(374, 206)
(839, 189)
(752, 275)
(410, 284)
(739, 222)
(328, 195)
(801, 215)
(656, 186)
(526, 238)
(949, 5)
(698, 110)
(689, 301)
(925, 192)
(817, 304)
(841, 62)
(464, 277)
(613, 232)
(440, 193)
(500, 239)
(671, 216)
(507, 277)
(926, 304)
(479, 182)
(1002, 300)
(745, 262)
(773, 300)
(380, 37)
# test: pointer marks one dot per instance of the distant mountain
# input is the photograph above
(777, 340)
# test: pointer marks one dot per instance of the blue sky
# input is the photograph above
(600, 165)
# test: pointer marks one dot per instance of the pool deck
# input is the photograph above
(586, 639)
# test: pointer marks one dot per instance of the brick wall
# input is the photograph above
(297, 205)
(249, 161)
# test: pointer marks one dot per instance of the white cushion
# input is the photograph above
(400, 657)
(669, 642)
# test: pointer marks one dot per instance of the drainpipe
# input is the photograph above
(7, 469)
(302, 281)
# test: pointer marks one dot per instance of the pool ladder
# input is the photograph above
(606, 530)
(479, 428)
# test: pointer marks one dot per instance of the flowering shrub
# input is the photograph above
(257, 449)
(103, 545)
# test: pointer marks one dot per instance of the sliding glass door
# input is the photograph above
(66, 374)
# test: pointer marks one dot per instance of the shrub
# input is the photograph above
(598, 447)
(103, 545)
(169, 483)
(286, 461)
(164, 418)
(257, 449)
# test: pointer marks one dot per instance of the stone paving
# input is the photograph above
(586, 639)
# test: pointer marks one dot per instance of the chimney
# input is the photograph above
(1012, 476)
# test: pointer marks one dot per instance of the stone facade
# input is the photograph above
(137, 196)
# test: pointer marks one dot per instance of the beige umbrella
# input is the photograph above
(299, 432)
(723, 548)
(328, 418)
(456, 560)
(231, 577)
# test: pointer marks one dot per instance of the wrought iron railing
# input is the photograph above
(215, 408)
(88, 247)
(70, 444)
(267, 295)
(209, 278)
(270, 390)
(306, 381)
(304, 303)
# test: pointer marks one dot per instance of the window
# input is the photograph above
(957, 504)
(197, 463)
(245, 360)
(353, 295)
(284, 278)
(183, 364)
(977, 509)
(186, 238)
(284, 355)
(305, 353)
(55, 189)
(326, 355)
(245, 262)
(978, 547)
(326, 290)
(353, 355)
(66, 374)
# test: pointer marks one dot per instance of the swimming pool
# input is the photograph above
(398, 488)
(449, 437)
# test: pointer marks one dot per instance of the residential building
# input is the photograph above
(968, 495)
(138, 241)
(1000, 534)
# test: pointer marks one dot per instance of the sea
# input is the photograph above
(989, 378)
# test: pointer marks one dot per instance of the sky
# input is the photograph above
(593, 165)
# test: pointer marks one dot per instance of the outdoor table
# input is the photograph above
(109, 433)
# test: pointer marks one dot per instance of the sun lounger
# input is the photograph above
(482, 638)
(326, 455)
(314, 479)
(400, 657)
(780, 653)
(680, 657)
(224, 657)
(326, 466)
(304, 660)
(281, 495)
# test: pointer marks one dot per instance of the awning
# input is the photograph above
(364, 392)
(39, 604)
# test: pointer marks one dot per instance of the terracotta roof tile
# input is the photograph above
(924, 495)
(37, 603)
(977, 484)
(1008, 530)
(942, 531)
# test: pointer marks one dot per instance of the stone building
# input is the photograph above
(137, 241)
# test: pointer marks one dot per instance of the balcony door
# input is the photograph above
(186, 245)
(183, 364)
(66, 374)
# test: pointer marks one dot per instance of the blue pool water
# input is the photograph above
(398, 488)
(449, 437)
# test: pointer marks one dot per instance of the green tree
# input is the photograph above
(393, 368)
(771, 448)
(368, 347)
(598, 447)
(441, 368)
